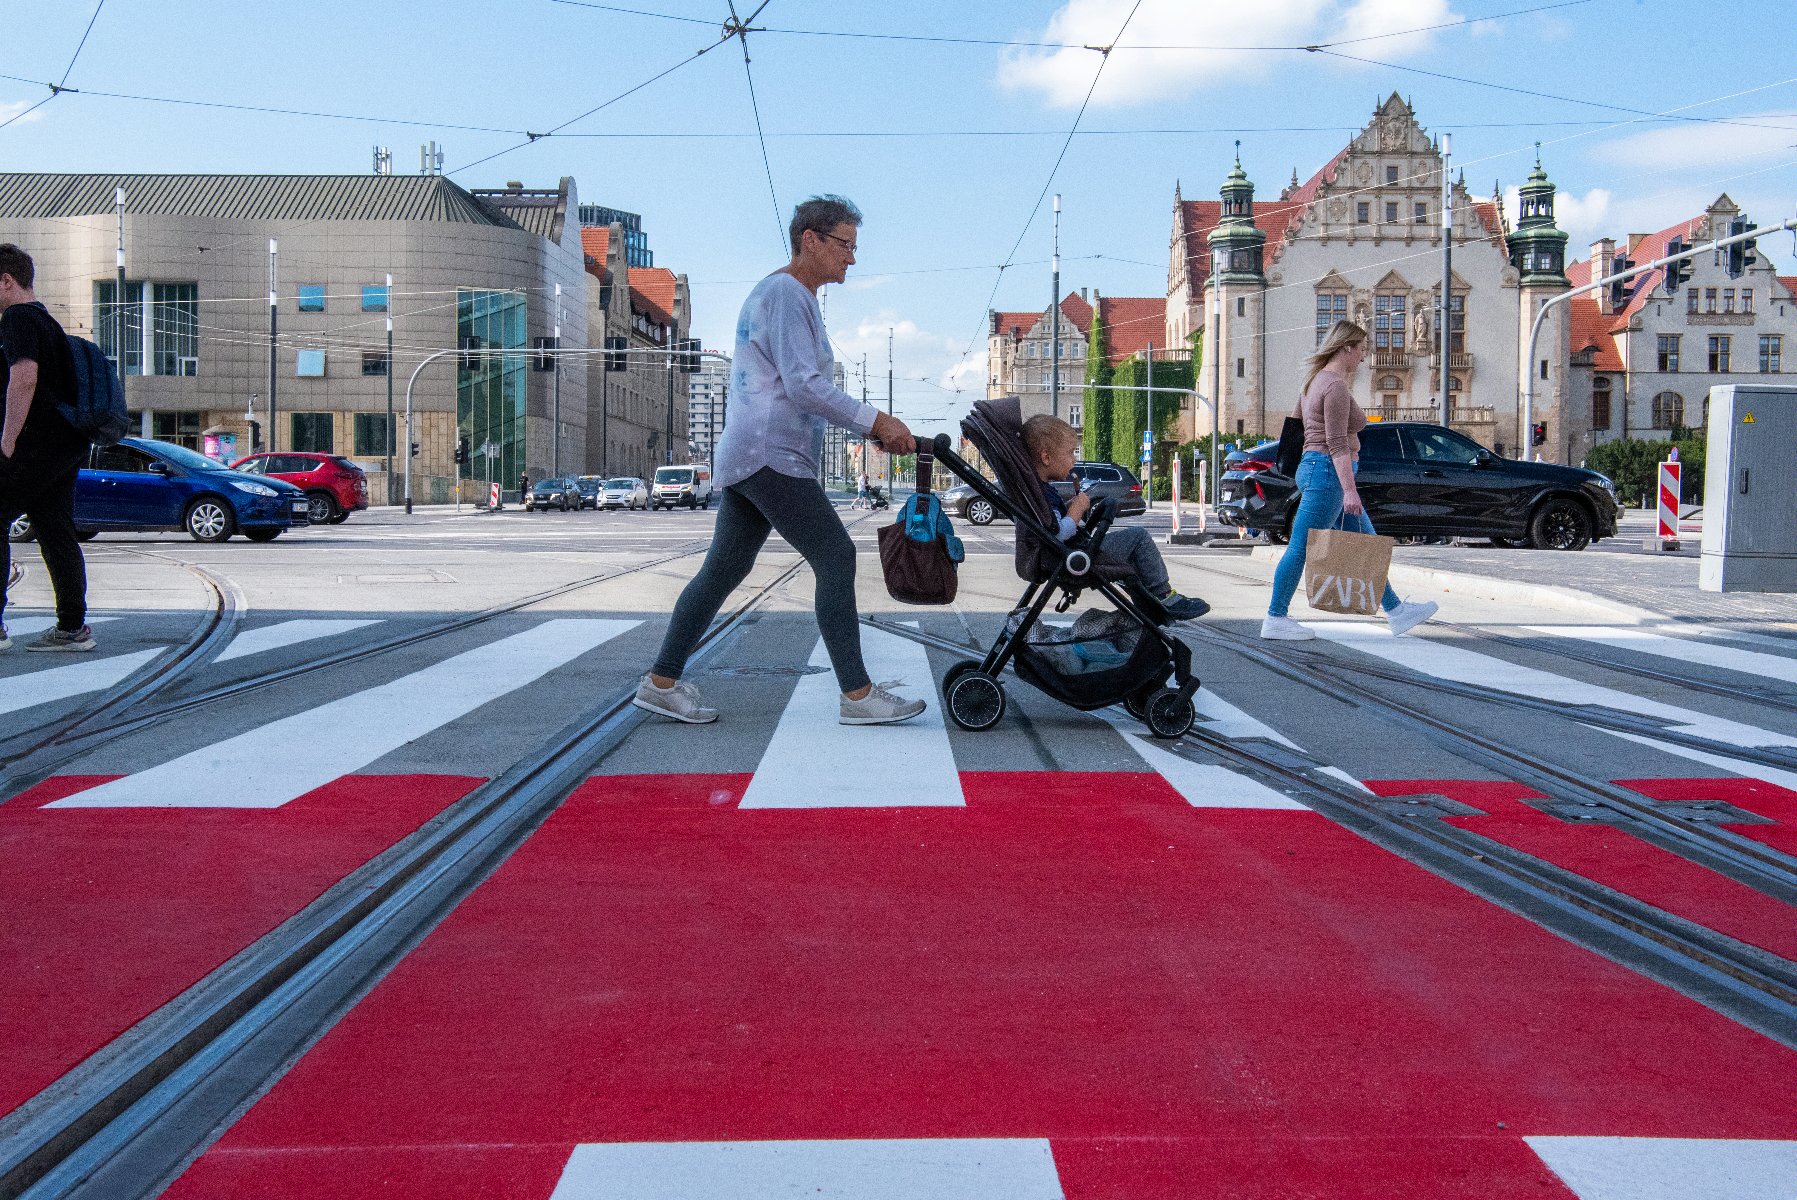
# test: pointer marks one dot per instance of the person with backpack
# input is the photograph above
(41, 451)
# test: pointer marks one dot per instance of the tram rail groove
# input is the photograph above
(1748, 984)
(128, 1119)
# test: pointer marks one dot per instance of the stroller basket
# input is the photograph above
(1104, 655)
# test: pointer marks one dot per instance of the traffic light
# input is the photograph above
(1619, 289)
(414, 449)
(688, 358)
(1678, 272)
(1538, 434)
(1741, 255)
(461, 452)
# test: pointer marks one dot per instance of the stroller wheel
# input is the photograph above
(1168, 715)
(976, 701)
(955, 672)
(1137, 701)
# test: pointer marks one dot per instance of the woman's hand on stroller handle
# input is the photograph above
(892, 435)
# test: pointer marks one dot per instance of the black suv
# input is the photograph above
(1421, 480)
(1108, 479)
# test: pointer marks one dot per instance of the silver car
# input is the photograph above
(626, 492)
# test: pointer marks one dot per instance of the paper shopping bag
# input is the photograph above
(1345, 572)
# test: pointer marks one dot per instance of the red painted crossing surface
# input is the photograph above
(1768, 800)
(112, 912)
(1606, 854)
(1185, 1002)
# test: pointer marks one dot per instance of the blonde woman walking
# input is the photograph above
(1327, 497)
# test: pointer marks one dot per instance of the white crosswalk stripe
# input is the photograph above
(887, 1169)
(89, 674)
(1708, 654)
(283, 760)
(815, 762)
(1637, 1168)
(285, 633)
(1209, 785)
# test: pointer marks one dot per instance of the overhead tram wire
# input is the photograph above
(1104, 53)
(740, 30)
(59, 87)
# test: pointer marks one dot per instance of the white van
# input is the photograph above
(686, 486)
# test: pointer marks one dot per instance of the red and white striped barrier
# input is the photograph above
(1670, 491)
(493, 497)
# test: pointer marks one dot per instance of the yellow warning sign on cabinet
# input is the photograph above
(1747, 420)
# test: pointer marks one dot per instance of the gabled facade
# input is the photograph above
(639, 399)
(1018, 347)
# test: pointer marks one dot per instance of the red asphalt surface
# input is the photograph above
(112, 912)
(1244, 1003)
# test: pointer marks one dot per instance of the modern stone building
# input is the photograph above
(474, 274)
(1361, 239)
(640, 387)
(707, 390)
(1644, 358)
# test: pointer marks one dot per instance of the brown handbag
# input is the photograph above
(919, 551)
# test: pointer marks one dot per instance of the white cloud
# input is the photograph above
(1585, 218)
(1134, 76)
(12, 108)
(1762, 137)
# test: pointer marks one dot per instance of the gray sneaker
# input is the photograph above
(5, 641)
(53, 639)
(680, 702)
(879, 707)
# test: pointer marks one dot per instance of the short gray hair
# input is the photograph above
(821, 214)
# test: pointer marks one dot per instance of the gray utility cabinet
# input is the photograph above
(1750, 491)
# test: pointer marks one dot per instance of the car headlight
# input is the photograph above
(1606, 483)
(255, 489)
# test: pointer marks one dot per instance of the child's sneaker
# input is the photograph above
(879, 707)
(1184, 608)
(53, 639)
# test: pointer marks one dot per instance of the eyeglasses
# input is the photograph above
(843, 242)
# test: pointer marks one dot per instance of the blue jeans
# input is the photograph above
(1319, 507)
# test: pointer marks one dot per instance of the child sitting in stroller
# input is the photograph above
(1053, 445)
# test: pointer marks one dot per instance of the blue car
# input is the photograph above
(140, 484)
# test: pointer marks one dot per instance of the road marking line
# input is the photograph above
(813, 761)
(1211, 785)
(281, 761)
(1428, 656)
(1749, 770)
(1636, 1168)
(918, 1169)
(1747, 662)
(77, 679)
(285, 633)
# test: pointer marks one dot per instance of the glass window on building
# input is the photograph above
(1771, 353)
(1746, 300)
(161, 326)
(1457, 324)
(311, 297)
(1668, 352)
(181, 428)
(1600, 402)
(1668, 411)
(1331, 307)
(372, 439)
(310, 432)
(1422, 213)
(374, 362)
(309, 364)
(374, 298)
(1728, 300)
(1719, 347)
(1709, 299)
(490, 388)
(1388, 322)
(1690, 300)
(1363, 213)
(1391, 173)
(1391, 212)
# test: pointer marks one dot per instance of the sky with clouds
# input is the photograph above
(941, 119)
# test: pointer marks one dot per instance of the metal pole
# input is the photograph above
(118, 199)
(1216, 375)
(555, 439)
(1447, 275)
(390, 396)
(273, 298)
(890, 481)
(668, 451)
(428, 360)
(1148, 473)
(1054, 320)
(604, 410)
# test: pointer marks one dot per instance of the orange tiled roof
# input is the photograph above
(595, 240)
(1017, 324)
(1790, 282)
(1591, 331)
(1130, 323)
(655, 284)
(1641, 287)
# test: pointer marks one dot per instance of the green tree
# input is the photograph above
(1633, 465)
(1096, 420)
(1129, 409)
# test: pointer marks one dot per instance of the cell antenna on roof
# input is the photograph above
(383, 161)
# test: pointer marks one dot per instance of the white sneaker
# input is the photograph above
(879, 707)
(1409, 615)
(680, 702)
(1284, 629)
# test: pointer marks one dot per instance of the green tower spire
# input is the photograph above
(1236, 246)
(1537, 247)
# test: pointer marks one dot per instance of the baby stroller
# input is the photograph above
(1106, 657)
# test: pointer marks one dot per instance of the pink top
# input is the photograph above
(1332, 421)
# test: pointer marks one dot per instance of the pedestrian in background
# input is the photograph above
(40, 452)
(781, 398)
(1327, 497)
(861, 491)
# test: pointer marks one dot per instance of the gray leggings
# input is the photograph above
(801, 513)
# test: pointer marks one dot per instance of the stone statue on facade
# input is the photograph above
(1419, 330)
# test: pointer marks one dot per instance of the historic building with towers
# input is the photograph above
(1361, 240)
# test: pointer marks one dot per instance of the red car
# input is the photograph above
(335, 486)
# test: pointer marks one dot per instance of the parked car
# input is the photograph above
(626, 491)
(140, 484)
(552, 493)
(1108, 479)
(335, 486)
(686, 486)
(589, 487)
(1422, 480)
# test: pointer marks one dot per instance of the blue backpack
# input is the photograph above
(98, 408)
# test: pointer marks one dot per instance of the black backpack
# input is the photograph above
(98, 407)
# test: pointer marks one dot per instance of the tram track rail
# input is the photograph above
(128, 1119)
(1749, 984)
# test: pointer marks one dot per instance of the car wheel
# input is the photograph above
(319, 507)
(20, 530)
(980, 511)
(341, 517)
(209, 520)
(262, 535)
(1560, 525)
(707, 504)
